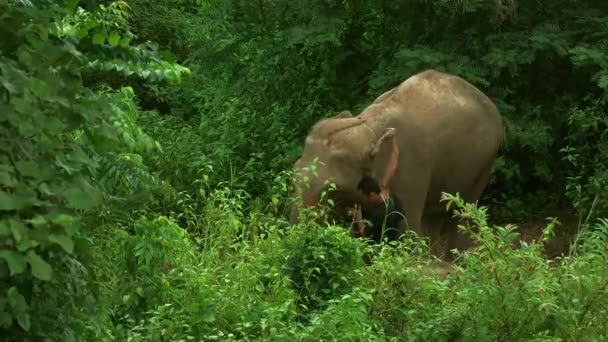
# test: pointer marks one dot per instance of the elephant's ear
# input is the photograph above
(344, 114)
(375, 147)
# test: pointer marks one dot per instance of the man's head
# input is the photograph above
(370, 189)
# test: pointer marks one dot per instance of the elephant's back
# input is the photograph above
(446, 121)
(442, 105)
(436, 93)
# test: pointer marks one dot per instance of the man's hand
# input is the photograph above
(358, 227)
(356, 213)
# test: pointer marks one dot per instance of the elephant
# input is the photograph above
(448, 132)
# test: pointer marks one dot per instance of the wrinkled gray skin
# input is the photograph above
(448, 133)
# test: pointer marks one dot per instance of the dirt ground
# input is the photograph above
(531, 230)
(565, 231)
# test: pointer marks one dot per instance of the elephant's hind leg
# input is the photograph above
(460, 240)
(480, 184)
(435, 223)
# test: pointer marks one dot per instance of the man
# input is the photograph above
(381, 208)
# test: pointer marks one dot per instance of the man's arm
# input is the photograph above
(359, 228)
(391, 167)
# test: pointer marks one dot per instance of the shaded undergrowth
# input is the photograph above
(308, 282)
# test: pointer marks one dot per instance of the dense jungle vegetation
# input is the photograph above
(146, 148)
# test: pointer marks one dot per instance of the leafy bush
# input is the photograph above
(529, 297)
(310, 282)
(322, 263)
(264, 72)
(54, 130)
(585, 155)
(168, 223)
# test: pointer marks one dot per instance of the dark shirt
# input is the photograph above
(393, 212)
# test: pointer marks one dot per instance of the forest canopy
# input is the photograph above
(146, 157)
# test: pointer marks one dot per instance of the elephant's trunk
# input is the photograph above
(293, 215)
(309, 200)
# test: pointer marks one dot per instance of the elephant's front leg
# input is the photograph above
(412, 209)
(434, 222)
(413, 197)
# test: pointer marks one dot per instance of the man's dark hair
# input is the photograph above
(368, 185)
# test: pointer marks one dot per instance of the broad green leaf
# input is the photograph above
(4, 229)
(16, 300)
(15, 261)
(70, 5)
(24, 320)
(62, 240)
(19, 307)
(99, 38)
(114, 38)
(38, 220)
(28, 168)
(54, 126)
(6, 179)
(511, 237)
(24, 56)
(14, 297)
(8, 201)
(70, 224)
(27, 244)
(18, 229)
(8, 85)
(63, 219)
(209, 316)
(78, 199)
(78, 155)
(44, 189)
(124, 41)
(12, 79)
(40, 268)
(170, 74)
(83, 32)
(4, 165)
(39, 88)
(23, 106)
(128, 90)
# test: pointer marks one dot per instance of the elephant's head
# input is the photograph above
(338, 150)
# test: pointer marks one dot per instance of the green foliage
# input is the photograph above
(54, 131)
(105, 36)
(309, 283)
(135, 205)
(322, 263)
(585, 154)
(182, 162)
(264, 71)
(531, 297)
